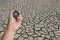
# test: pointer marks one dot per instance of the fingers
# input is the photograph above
(11, 14)
(19, 18)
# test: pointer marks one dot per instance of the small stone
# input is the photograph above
(34, 35)
(22, 27)
(52, 19)
(31, 30)
(47, 36)
(38, 33)
(24, 23)
(27, 30)
(23, 32)
(43, 35)
(44, 29)
(39, 38)
(51, 34)
(30, 33)
(37, 20)
(48, 29)
(16, 36)
(53, 38)
(20, 30)
(1, 28)
(46, 39)
(42, 22)
(57, 32)
(56, 26)
(41, 32)
(20, 38)
(25, 35)
(35, 38)
(5, 26)
(26, 39)
(37, 28)
(51, 27)
(58, 38)
(30, 38)
(28, 26)
(41, 26)
(37, 25)
(59, 26)
(1, 34)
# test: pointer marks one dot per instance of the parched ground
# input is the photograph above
(41, 19)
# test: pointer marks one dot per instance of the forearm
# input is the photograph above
(13, 25)
(9, 34)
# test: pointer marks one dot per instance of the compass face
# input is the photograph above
(15, 14)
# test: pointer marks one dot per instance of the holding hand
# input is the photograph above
(14, 23)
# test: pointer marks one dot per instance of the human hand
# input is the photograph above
(14, 23)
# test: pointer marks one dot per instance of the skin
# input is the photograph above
(13, 25)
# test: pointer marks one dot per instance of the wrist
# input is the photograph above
(11, 29)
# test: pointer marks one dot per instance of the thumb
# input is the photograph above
(11, 16)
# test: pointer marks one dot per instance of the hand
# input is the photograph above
(14, 23)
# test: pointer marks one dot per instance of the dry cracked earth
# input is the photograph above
(41, 19)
